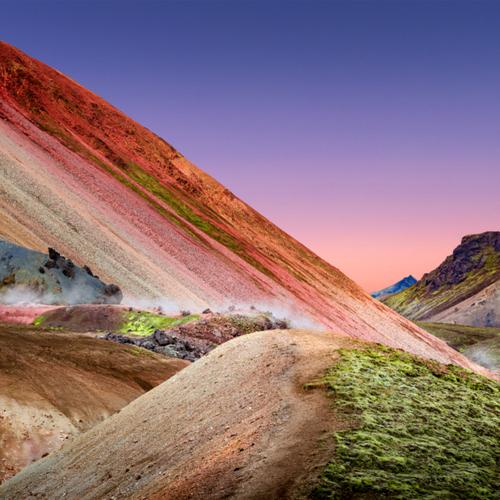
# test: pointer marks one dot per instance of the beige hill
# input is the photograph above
(240, 423)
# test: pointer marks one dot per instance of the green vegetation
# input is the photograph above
(185, 212)
(145, 323)
(39, 320)
(419, 429)
(460, 336)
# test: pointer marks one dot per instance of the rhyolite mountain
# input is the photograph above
(464, 288)
(395, 288)
(78, 175)
(36, 277)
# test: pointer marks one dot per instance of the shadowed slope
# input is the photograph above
(77, 174)
(55, 385)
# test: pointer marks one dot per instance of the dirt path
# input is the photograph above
(236, 423)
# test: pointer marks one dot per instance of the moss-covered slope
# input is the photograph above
(418, 429)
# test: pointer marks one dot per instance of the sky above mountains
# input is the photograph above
(367, 130)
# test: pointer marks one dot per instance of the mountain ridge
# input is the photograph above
(473, 267)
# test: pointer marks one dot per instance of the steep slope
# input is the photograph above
(35, 277)
(470, 270)
(482, 309)
(55, 385)
(241, 423)
(397, 287)
(77, 174)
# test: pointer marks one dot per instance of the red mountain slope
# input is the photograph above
(79, 175)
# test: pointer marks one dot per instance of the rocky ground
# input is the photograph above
(196, 338)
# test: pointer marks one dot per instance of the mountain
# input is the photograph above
(397, 287)
(464, 288)
(78, 175)
(287, 414)
(30, 276)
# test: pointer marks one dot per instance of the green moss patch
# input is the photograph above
(420, 429)
(39, 321)
(145, 323)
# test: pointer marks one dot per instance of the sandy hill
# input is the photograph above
(464, 288)
(55, 385)
(79, 175)
(255, 419)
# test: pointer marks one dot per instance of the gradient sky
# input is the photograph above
(370, 131)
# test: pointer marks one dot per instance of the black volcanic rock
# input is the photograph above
(35, 277)
(193, 340)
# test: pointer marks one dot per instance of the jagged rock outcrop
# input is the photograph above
(470, 256)
(27, 276)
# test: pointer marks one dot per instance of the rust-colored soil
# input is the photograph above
(54, 386)
(236, 423)
(21, 314)
(85, 317)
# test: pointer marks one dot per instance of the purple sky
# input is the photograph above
(368, 130)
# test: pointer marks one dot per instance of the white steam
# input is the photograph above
(25, 296)
(288, 312)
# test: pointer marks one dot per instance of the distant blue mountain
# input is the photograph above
(397, 287)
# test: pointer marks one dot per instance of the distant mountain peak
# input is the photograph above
(401, 285)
